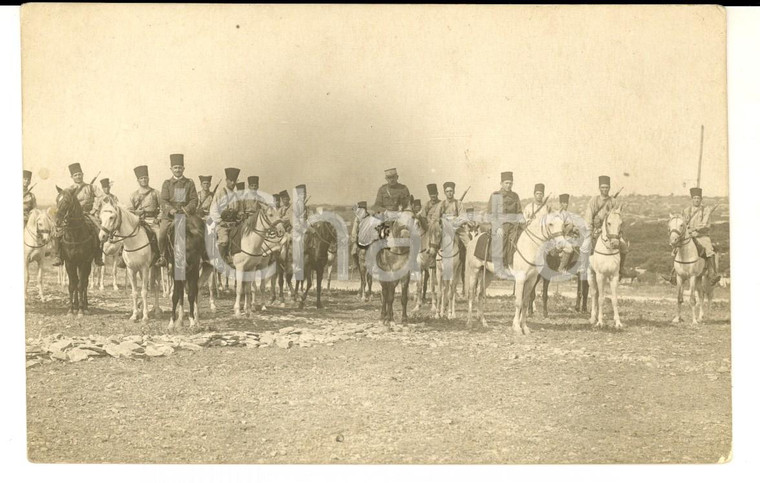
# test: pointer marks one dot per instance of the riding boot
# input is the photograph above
(622, 272)
(673, 277)
(57, 262)
(712, 276)
(120, 263)
(223, 250)
(98, 259)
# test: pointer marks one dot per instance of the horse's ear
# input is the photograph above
(59, 189)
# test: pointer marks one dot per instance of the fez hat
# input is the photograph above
(177, 159)
(240, 186)
(276, 197)
(417, 202)
(448, 184)
(604, 180)
(506, 176)
(141, 171)
(564, 198)
(390, 172)
(231, 173)
(539, 187)
(432, 189)
(27, 174)
(253, 180)
(301, 188)
(206, 179)
(362, 204)
(284, 195)
(696, 192)
(105, 183)
(74, 168)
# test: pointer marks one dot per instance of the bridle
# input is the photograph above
(69, 221)
(607, 237)
(115, 237)
(37, 236)
(545, 235)
(682, 241)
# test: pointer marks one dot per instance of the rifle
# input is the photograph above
(96, 177)
(29, 190)
(465, 193)
(605, 204)
(215, 188)
(618, 192)
(535, 212)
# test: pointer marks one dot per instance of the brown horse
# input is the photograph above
(188, 264)
(79, 244)
(317, 242)
(393, 261)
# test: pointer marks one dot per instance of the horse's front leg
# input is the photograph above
(84, 277)
(679, 299)
(40, 268)
(132, 274)
(545, 297)
(239, 294)
(693, 298)
(192, 296)
(145, 272)
(305, 290)
(600, 286)
(591, 277)
(519, 288)
(155, 286)
(613, 293)
(320, 275)
(404, 299)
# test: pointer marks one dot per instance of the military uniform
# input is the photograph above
(427, 210)
(30, 201)
(85, 194)
(698, 225)
(205, 197)
(510, 205)
(105, 183)
(392, 198)
(598, 208)
(534, 209)
(223, 211)
(178, 195)
(253, 202)
(354, 237)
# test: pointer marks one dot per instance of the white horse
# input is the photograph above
(689, 266)
(119, 225)
(448, 255)
(37, 243)
(258, 243)
(426, 260)
(541, 235)
(604, 268)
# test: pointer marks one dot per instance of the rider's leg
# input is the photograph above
(162, 236)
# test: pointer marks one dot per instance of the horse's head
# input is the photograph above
(67, 206)
(676, 229)
(109, 220)
(555, 230)
(40, 223)
(612, 227)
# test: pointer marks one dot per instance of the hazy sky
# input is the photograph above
(331, 96)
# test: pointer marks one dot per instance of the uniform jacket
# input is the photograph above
(392, 198)
(169, 198)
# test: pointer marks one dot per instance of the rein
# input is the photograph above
(681, 242)
(37, 237)
(113, 235)
(606, 237)
(547, 235)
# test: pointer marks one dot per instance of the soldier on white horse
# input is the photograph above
(698, 222)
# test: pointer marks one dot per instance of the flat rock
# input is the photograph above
(60, 345)
(289, 330)
(284, 343)
(76, 354)
(158, 350)
(189, 346)
(267, 338)
(33, 362)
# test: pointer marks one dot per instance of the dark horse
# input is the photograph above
(393, 259)
(317, 242)
(192, 259)
(78, 236)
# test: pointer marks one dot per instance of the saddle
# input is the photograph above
(235, 236)
(483, 248)
(152, 239)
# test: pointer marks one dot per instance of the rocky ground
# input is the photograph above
(335, 386)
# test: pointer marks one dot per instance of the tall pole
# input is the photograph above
(699, 169)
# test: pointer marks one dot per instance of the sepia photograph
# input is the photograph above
(343, 234)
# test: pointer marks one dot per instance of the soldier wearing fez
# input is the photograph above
(178, 195)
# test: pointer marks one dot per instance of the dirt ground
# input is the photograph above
(434, 393)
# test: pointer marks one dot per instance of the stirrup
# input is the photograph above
(57, 262)
(161, 262)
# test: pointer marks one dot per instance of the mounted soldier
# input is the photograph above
(427, 210)
(698, 223)
(451, 209)
(300, 209)
(144, 202)
(392, 196)
(510, 205)
(360, 214)
(538, 207)
(599, 207)
(30, 201)
(178, 194)
(253, 203)
(223, 210)
(105, 184)
(205, 197)
(85, 194)
(417, 206)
